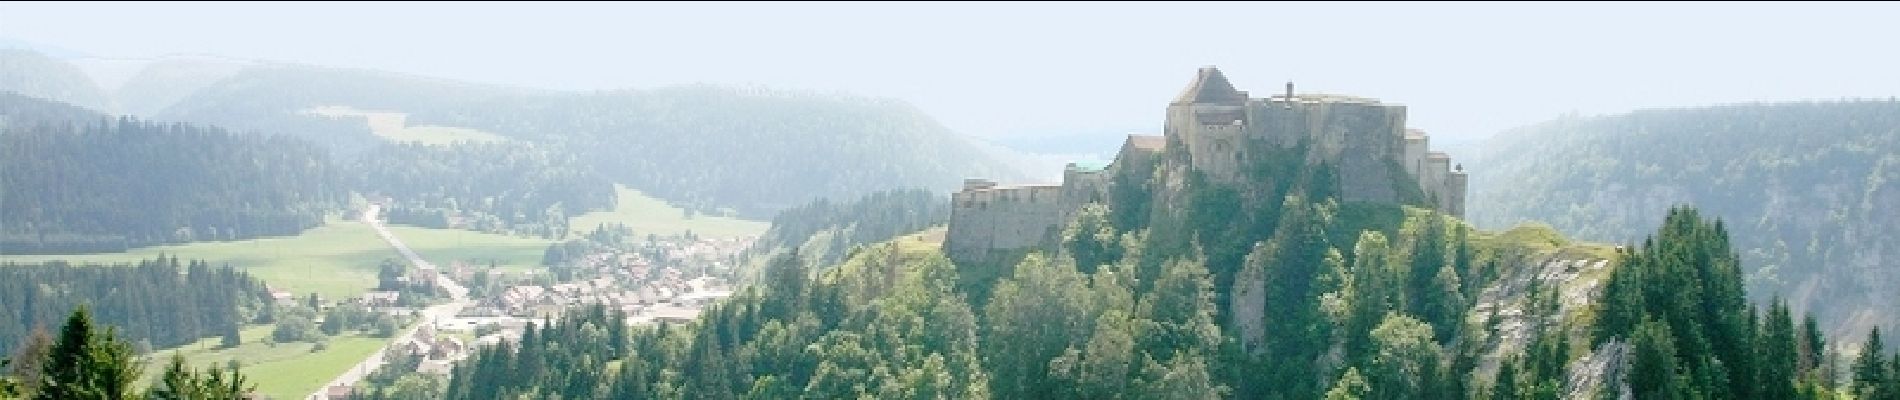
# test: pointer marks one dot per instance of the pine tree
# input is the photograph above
(1892, 389)
(230, 337)
(88, 365)
(1505, 386)
(1654, 373)
(177, 383)
(1813, 345)
(1374, 293)
(1778, 348)
(1422, 292)
(1870, 369)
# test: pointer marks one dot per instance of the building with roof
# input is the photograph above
(1223, 131)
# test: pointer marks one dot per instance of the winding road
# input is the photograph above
(429, 315)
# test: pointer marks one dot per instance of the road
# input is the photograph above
(429, 315)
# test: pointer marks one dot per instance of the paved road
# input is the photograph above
(429, 315)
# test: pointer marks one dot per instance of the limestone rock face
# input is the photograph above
(1509, 319)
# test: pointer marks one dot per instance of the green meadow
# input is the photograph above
(336, 260)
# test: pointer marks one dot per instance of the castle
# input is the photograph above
(1364, 138)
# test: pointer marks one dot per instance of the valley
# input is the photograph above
(325, 201)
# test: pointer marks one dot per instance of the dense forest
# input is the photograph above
(1052, 331)
(109, 185)
(668, 142)
(1807, 189)
(157, 303)
(19, 110)
(492, 187)
(678, 143)
(276, 97)
(824, 231)
(88, 362)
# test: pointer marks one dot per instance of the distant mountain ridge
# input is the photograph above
(679, 143)
(751, 150)
(33, 74)
(1806, 188)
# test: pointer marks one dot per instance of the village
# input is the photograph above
(659, 280)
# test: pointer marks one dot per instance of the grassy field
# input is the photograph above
(438, 135)
(338, 259)
(649, 215)
(281, 371)
(440, 246)
(394, 126)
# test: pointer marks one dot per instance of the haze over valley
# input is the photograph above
(942, 200)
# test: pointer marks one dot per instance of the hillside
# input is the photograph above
(1176, 285)
(825, 232)
(108, 185)
(682, 143)
(674, 143)
(19, 110)
(164, 82)
(490, 187)
(274, 98)
(1539, 316)
(1806, 190)
(36, 75)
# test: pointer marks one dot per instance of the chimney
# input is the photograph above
(1289, 95)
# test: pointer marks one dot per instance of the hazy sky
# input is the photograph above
(1466, 70)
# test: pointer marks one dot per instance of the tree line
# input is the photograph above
(109, 185)
(156, 303)
(505, 187)
(1804, 186)
(825, 231)
(678, 143)
(90, 363)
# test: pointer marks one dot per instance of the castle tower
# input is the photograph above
(1364, 141)
(1437, 172)
(1210, 117)
(1416, 143)
(1454, 202)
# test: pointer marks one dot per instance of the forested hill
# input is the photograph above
(750, 150)
(1181, 288)
(20, 110)
(823, 232)
(1808, 191)
(164, 82)
(36, 75)
(681, 144)
(107, 185)
(494, 187)
(276, 98)
(159, 302)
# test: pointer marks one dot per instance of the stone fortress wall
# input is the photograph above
(1217, 124)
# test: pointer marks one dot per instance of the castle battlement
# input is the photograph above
(1316, 98)
(1362, 137)
(973, 197)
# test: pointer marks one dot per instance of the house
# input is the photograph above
(436, 367)
(339, 392)
(412, 347)
(447, 348)
(283, 298)
(381, 298)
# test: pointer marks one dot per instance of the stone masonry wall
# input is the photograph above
(1003, 218)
